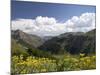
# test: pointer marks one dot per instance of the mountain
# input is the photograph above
(72, 42)
(17, 48)
(90, 42)
(70, 33)
(45, 38)
(91, 33)
(26, 44)
(26, 39)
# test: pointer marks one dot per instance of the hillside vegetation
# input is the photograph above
(67, 52)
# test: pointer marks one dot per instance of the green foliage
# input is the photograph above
(17, 49)
(39, 53)
(63, 53)
(37, 64)
(88, 62)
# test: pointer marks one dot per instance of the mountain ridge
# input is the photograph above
(71, 42)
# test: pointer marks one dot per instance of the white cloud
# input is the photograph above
(22, 24)
(45, 20)
(50, 26)
(84, 23)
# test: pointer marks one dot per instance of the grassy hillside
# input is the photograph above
(66, 52)
(17, 48)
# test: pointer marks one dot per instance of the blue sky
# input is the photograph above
(62, 12)
(51, 19)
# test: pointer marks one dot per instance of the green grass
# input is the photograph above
(65, 62)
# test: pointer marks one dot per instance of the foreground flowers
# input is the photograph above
(21, 65)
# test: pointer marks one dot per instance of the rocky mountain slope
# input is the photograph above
(73, 42)
(70, 42)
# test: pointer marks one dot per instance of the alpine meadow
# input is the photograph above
(52, 37)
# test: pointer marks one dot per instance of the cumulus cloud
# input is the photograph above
(45, 20)
(46, 26)
(83, 23)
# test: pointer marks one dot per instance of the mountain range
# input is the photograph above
(70, 42)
